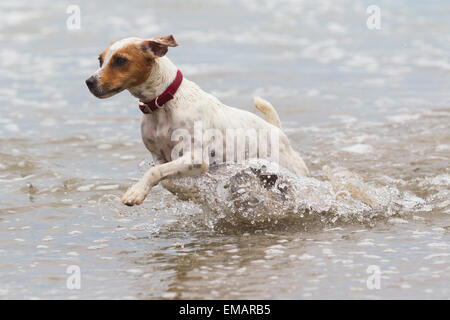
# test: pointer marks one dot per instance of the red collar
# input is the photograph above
(163, 98)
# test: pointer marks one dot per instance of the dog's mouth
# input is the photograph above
(101, 94)
(109, 93)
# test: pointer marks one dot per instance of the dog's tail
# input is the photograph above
(268, 111)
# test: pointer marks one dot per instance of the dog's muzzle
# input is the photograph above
(91, 83)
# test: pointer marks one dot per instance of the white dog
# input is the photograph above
(170, 103)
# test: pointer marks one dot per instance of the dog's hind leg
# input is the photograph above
(268, 111)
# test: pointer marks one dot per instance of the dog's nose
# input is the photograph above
(90, 82)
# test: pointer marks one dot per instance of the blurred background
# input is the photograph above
(375, 101)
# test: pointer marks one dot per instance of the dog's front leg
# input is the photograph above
(183, 166)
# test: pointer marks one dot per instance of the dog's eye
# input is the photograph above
(119, 61)
(100, 61)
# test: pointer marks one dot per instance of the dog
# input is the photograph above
(170, 102)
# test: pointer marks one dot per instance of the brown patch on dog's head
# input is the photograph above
(127, 63)
(126, 68)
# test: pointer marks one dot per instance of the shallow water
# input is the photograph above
(372, 102)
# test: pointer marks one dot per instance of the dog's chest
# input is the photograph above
(156, 134)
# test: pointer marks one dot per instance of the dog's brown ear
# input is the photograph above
(158, 47)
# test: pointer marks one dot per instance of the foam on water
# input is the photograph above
(260, 195)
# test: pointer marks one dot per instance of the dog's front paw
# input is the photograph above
(136, 194)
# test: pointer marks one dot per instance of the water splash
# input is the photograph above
(260, 195)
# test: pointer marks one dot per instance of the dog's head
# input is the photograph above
(127, 63)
